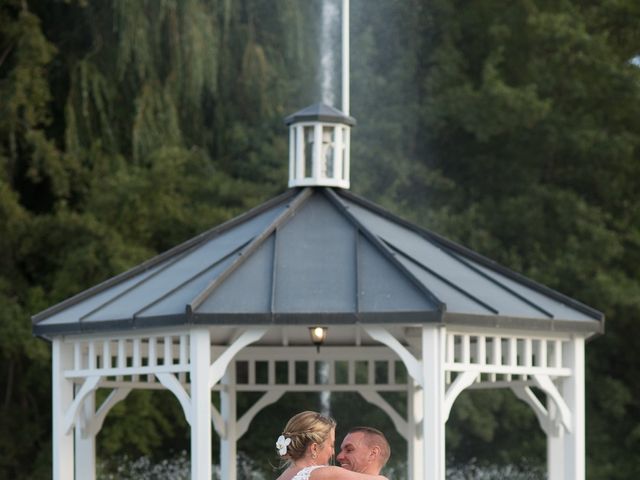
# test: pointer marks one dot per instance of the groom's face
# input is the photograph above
(355, 454)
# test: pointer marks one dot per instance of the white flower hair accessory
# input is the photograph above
(281, 445)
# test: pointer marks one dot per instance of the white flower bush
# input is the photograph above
(177, 468)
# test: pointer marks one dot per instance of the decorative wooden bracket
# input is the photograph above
(411, 363)
(94, 425)
(89, 385)
(547, 386)
(217, 368)
(375, 398)
(219, 424)
(462, 381)
(268, 398)
(171, 383)
(545, 417)
(553, 418)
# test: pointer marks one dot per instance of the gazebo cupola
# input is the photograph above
(319, 140)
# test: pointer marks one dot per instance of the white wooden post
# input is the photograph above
(573, 390)
(200, 420)
(86, 440)
(346, 165)
(414, 435)
(292, 153)
(555, 446)
(433, 348)
(338, 152)
(300, 146)
(62, 397)
(228, 467)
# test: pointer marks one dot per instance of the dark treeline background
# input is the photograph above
(511, 127)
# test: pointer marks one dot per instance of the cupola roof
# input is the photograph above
(320, 112)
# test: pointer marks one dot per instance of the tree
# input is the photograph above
(524, 148)
(125, 128)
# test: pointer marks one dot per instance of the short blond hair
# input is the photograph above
(304, 429)
(375, 438)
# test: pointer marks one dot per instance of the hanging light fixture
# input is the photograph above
(318, 336)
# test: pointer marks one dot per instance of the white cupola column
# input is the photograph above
(319, 145)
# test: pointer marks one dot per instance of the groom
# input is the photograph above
(364, 450)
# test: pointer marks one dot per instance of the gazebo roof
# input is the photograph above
(318, 255)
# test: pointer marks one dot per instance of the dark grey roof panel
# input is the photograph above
(247, 289)
(88, 296)
(444, 291)
(460, 276)
(174, 301)
(480, 284)
(128, 293)
(509, 293)
(302, 268)
(75, 311)
(560, 310)
(384, 288)
(183, 268)
(315, 268)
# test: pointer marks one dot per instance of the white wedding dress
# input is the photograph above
(305, 472)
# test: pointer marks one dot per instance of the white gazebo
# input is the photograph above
(245, 294)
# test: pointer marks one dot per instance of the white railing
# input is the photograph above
(127, 358)
(501, 358)
(336, 368)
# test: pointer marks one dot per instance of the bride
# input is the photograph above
(306, 445)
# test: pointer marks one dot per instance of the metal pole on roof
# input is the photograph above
(345, 57)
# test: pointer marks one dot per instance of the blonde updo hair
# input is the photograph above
(304, 429)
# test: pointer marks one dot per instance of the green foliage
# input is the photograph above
(489, 425)
(510, 127)
(518, 138)
(148, 423)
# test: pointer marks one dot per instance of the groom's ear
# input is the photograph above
(375, 452)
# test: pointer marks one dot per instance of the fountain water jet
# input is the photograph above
(328, 41)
